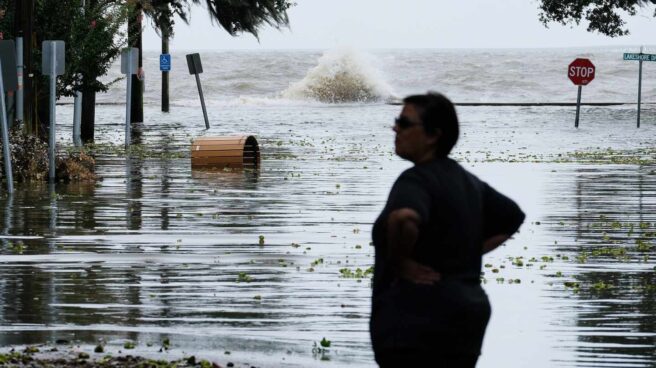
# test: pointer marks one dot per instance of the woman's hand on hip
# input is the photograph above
(418, 273)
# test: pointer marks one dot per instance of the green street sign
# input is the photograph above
(639, 56)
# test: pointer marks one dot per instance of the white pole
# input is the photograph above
(53, 85)
(128, 99)
(5, 136)
(639, 84)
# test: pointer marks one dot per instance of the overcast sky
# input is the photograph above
(374, 24)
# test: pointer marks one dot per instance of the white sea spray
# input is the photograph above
(342, 75)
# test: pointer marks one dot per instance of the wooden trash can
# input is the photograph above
(234, 152)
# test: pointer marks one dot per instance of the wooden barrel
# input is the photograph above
(234, 152)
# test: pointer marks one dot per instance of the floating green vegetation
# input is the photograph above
(599, 286)
(244, 277)
(321, 349)
(316, 262)
(129, 345)
(359, 273)
(166, 344)
(582, 257)
(575, 286)
(17, 247)
(261, 240)
(31, 350)
(643, 245)
(641, 156)
(143, 151)
(618, 252)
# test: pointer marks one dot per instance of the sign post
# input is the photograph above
(580, 72)
(639, 57)
(8, 82)
(195, 68)
(129, 66)
(52, 65)
(165, 67)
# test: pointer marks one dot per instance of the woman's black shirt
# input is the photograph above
(458, 212)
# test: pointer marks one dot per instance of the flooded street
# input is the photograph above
(257, 266)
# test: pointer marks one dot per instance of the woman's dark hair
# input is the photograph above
(437, 112)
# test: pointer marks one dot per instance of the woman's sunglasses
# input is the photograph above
(403, 123)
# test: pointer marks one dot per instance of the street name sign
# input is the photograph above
(639, 56)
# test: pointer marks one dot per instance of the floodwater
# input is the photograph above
(156, 251)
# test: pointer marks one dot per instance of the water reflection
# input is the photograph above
(612, 212)
(134, 192)
(233, 179)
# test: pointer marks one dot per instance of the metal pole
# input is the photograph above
(19, 74)
(53, 84)
(578, 107)
(639, 88)
(5, 137)
(165, 74)
(128, 100)
(202, 101)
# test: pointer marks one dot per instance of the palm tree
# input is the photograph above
(234, 16)
(237, 16)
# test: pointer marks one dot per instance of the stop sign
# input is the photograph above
(581, 71)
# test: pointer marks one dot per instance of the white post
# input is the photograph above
(639, 84)
(53, 91)
(5, 136)
(128, 100)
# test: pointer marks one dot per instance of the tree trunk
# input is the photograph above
(29, 110)
(88, 119)
(165, 75)
(42, 92)
(18, 33)
(134, 40)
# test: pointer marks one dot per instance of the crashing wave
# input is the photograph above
(342, 75)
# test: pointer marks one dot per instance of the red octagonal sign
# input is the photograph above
(581, 71)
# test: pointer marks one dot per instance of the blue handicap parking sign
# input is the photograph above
(165, 62)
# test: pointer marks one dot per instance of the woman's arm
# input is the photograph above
(402, 235)
(493, 242)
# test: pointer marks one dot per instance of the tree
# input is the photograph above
(604, 16)
(93, 41)
(237, 16)
(234, 16)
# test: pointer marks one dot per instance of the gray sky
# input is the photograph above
(371, 24)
